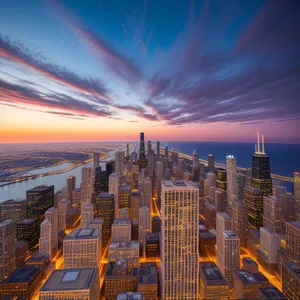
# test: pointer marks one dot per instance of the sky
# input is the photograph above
(103, 70)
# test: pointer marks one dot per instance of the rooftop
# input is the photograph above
(155, 218)
(132, 245)
(294, 224)
(229, 234)
(271, 292)
(293, 267)
(248, 277)
(51, 209)
(73, 211)
(212, 273)
(70, 279)
(83, 233)
(41, 257)
(22, 275)
(121, 222)
(14, 201)
(106, 195)
(27, 222)
(135, 194)
(5, 222)
(249, 260)
(152, 236)
(130, 296)
(125, 188)
(224, 215)
(97, 221)
(40, 188)
(147, 273)
(177, 184)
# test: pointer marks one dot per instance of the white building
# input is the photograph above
(87, 214)
(45, 241)
(231, 178)
(179, 240)
(223, 223)
(82, 248)
(86, 185)
(144, 225)
(121, 231)
(269, 244)
(52, 216)
(63, 207)
(145, 188)
(272, 216)
(114, 182)
(230, 259)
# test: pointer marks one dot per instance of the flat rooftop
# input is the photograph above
(41, 257)
(152, 236)
(248, 277)
(52, 209)
(14, 201)
(130, 296)
(22, 275)
(229, 234)
(124, 245)
(40, 188)
(83, 233)
(135, 194)
(97, 221)
(27, 222)
(293, 267)
(147, 273)
(177, 184)
(106, 195)
(212, 274)
(272, 292)
(155, 218)
(249, 260)
(6, 222)
(73, 211)
(224, 215)
(121, 222)
(125, 188)
(70, 279)
(294, 224)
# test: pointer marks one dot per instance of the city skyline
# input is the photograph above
(208, 71)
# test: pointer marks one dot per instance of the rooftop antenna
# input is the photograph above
(258, 143)
(263, 144)
(255, 148)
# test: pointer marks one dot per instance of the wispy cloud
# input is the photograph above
(19, 53)
(115, 61)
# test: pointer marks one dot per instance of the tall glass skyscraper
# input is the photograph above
(142, 156)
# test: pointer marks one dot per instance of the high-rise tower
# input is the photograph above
(179, 237)
(261, 177)
(142, 156)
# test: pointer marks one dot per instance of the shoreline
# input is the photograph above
(60, 171)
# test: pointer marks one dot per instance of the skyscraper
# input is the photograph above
(158, 150)
(14, 209)
(150, 160)
(87, 215)
(121, 231)
(39, 200)
(114, 182)
(272, 215)
(293, 242)
(105, 210)
(254, 199)
(241, 181)
(195, 166)
(261, 177)
(231, 179)
(145, 188)
(230, 258)
(221, 179)
(52, 216)
(223, 222)
(297, 192)
(86, 185)
(290, 280)
(45, 241)
(180, 239)
(101, 181)
(144, 225)
(71, 185)
(211, 163)
(119, 162)
(96, 160)
(240, 220)
(142, 156)
(63, 207)
(7, 247)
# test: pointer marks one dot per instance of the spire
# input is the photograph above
(255, 148)
(258, 143)
(263, 144)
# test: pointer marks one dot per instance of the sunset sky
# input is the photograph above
(102, 70)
